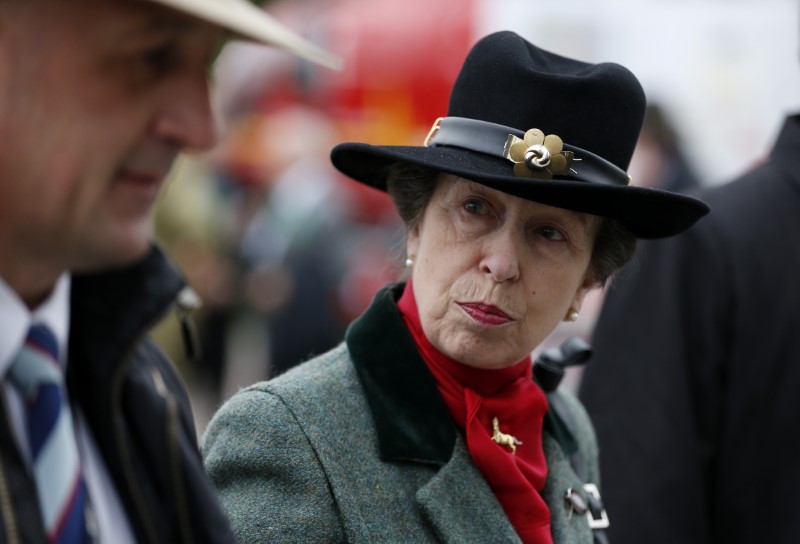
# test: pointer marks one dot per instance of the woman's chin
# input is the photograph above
(489, 364)
(486, 356)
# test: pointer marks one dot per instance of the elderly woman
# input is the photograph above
(426, 424)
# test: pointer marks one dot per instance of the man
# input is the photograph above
(97, 97)
(693, 387)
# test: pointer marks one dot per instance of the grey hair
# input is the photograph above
(614, 246)
(411, 188)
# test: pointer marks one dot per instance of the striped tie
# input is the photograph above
(39, 378)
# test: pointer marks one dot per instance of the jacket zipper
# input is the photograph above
(187, 300)
(124, 452)
(174, 455)
(6, 506)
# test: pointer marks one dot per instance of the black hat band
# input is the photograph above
(491, 139)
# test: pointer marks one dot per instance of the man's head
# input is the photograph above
(97, 98)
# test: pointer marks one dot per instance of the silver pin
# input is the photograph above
(572, 169)
(575, 502)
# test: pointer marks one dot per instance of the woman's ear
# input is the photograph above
(580, 294)
(412, 241)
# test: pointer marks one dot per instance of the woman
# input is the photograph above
(425, 425)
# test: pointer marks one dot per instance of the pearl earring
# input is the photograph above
(410, 261)
(572, 315)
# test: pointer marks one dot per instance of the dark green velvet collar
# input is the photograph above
(411, 419)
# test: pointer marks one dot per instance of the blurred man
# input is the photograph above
(693, 388)
(97, 97)
(658, 160)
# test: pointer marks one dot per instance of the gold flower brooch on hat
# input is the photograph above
(537, 156)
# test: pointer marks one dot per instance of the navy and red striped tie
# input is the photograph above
(39, 378)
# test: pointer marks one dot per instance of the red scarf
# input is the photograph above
(476, 396)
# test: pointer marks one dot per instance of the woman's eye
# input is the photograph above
(552, 234)
(476, 207)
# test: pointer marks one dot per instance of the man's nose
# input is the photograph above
(187, 118)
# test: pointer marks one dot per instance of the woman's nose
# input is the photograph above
(500, 258)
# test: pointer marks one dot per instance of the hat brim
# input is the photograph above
(251, 22)
(647, 213)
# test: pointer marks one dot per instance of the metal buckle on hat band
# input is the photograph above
(434, 129)
(490, 139)
(470, 134)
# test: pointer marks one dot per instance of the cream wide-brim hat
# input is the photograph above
(251, 22)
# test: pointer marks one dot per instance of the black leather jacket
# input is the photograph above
(138, 411)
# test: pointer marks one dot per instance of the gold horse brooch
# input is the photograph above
(504, 439)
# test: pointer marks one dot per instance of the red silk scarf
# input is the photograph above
(475, 397)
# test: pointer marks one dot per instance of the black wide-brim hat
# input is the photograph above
(507, 87)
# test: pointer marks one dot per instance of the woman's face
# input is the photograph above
(494, 274)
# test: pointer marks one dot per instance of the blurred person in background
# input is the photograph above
(426, 424)
(97, 98)
(658, 161)
(256, 226)
(693, 386)
(282, 249)
(296, 238)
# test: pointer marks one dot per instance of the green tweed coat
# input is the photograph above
(357, 446)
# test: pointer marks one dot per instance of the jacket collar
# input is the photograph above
(411, 419)
(111, 312)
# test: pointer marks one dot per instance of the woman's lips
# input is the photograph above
(485, 314)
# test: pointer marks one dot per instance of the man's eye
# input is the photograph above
(551, 234)
(476, 207)
(159, 59)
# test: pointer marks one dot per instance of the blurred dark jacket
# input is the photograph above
(694, 385)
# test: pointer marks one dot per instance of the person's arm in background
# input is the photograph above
(655, 386)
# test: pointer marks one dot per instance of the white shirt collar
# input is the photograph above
(17, 319)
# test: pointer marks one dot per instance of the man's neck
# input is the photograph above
(33, 283)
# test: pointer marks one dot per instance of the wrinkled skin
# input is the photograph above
(476, 245)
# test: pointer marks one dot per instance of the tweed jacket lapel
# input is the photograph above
(566, 527)
(460, 506)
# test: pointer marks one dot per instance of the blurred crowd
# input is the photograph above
(282, 252)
